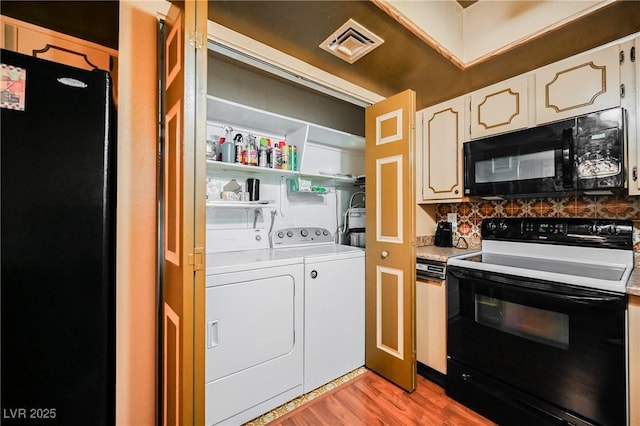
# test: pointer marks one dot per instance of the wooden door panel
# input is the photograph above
(389, 216)
(390, 257)
(184, 82)
(389, 311)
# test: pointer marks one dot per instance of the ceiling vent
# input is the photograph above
(351, 42)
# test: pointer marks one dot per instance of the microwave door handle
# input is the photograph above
(567, 158)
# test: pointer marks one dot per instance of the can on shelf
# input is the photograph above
(293, 157)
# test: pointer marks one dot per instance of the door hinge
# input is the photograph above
(621, 57)
(632, 54)
(196, 39)
(622, 90)
(634, 173)
(196, 259)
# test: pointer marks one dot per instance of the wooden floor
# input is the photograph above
(371, 400)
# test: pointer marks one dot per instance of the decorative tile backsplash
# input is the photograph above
(470, 214)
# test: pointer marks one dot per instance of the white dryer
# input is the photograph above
(254, 333)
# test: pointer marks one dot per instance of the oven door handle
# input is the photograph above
(559, 293)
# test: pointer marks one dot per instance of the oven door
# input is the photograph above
(532, 161)
(553, 350)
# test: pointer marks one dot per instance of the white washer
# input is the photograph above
(254, 333)
(334, 304)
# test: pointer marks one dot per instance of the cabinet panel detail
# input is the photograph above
(506, 98)
(589, 74)
(578, 85)
(46, 44)
(500, 108)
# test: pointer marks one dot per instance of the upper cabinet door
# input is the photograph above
(500, 108)
(46, 44)
(578, 85)
(440, 151)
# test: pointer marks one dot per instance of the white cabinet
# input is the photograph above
(431, 324)
(630, 76)
(578, 85)
(499, 108)
(321, 151)
(439, 151)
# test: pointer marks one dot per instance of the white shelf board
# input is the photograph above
(241, 204)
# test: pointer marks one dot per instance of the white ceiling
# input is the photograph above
(470, 35)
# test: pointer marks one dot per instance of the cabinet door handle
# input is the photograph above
(384, 254)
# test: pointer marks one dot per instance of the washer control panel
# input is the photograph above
(287, 237)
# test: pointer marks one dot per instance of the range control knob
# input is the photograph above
(280, 234)
(325, 232)
(491, 226)
(304, 233)
(595, 229)
(318, 232)
(612, 230)
(289, 234)
(502, 226)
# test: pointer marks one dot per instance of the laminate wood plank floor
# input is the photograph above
(371, 400)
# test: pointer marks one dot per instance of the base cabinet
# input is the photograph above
(431, 324)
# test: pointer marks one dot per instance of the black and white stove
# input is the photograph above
(536, 322)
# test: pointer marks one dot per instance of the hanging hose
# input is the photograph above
(273, 219)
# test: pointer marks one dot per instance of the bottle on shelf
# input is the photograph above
(241, 155)
(284, 149)
(212, 148)
(293, 158)
(228, 150)
(252, 150)
(276, 156)
(263, 153)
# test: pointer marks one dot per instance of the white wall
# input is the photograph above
(292, 210)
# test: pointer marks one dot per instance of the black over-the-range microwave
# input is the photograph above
(583, 154)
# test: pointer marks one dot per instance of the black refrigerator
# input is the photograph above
(57, 251)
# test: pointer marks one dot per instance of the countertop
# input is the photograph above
(443, 253)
